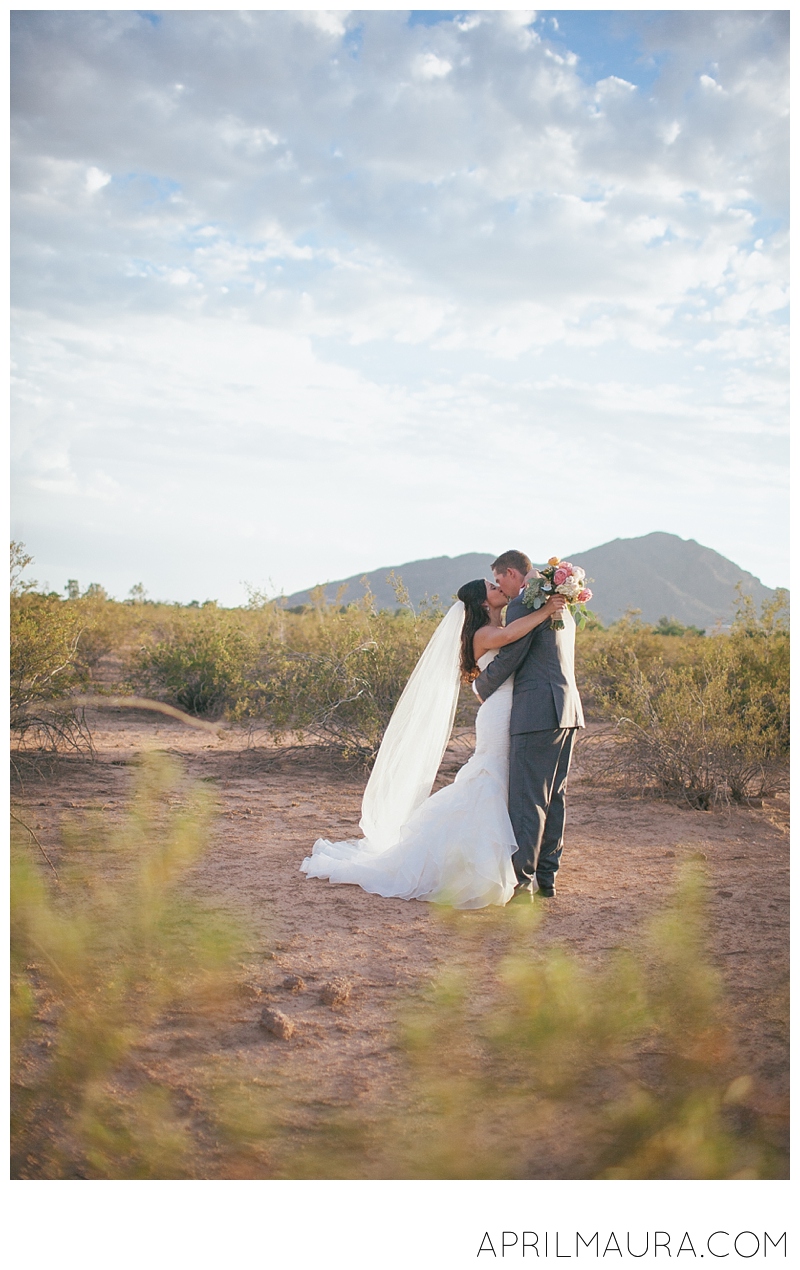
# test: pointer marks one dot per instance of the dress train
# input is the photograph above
(456, 848)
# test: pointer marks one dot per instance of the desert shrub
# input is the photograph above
(622, 1071)
(100, 629)
(710, 721)
(335, 674)
(700, 717)
(45, 667)
(625, 1071)
(202, 661)
(669, 626)
(598, 652)
(20, 559)
(95, 964)
(55, 645)
(328, 673)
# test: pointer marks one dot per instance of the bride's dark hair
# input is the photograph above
(473, 597)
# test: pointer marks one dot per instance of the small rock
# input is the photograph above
(337, 992)
(277, 1023)
(670, 855)
(294, 983)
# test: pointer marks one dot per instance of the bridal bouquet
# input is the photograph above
(559, 577)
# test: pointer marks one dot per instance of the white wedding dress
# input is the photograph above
(456, 847)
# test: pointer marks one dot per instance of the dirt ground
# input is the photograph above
(619, 861)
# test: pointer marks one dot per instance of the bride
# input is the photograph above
(455, 846)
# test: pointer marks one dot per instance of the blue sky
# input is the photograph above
(301, 294)
(606, 41)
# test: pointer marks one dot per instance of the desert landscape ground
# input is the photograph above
(618, 869)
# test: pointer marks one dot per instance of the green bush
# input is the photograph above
(625, 1071)
(203, 661)
(55, 646)
(101, 959)
(707, 720)
(334, 675)
(330, 674)
(327, 673)
(621, 1071)
(669, 626)
(700, 717)
(46, 666)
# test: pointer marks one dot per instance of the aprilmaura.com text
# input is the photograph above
(744, 1244)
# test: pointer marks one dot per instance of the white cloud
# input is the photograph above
(95, 180)
(613, 86)
(329, 21)
(429, 66)
(298, 229)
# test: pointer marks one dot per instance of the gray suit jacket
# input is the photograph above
(545, 693)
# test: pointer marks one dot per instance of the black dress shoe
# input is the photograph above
(545, 893)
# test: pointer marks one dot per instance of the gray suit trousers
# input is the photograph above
(536, 801)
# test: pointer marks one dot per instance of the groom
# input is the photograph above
(545, 715)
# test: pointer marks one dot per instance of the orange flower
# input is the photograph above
(554, 560)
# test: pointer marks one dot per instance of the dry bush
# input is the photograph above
(701, 718)
(329, 674)
(335, 674)
(621, 1072)
(518, 1050)
(45, 666)
(98, 957)
(705, 721)
(55, 647)
(201, 660)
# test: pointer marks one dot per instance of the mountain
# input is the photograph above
(660, 574)
(664, 575)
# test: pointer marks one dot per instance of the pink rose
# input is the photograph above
(560, 576)
(584, 595)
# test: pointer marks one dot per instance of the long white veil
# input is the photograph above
(416, 737)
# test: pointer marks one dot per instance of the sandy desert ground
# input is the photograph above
(619, 860)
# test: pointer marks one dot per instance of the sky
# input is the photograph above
(300, 294)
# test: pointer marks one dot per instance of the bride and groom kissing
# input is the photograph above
(496, 833)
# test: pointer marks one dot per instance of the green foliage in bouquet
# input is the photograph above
(559, 577)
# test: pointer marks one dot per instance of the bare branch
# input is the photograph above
(146, 703)
(14, 816)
